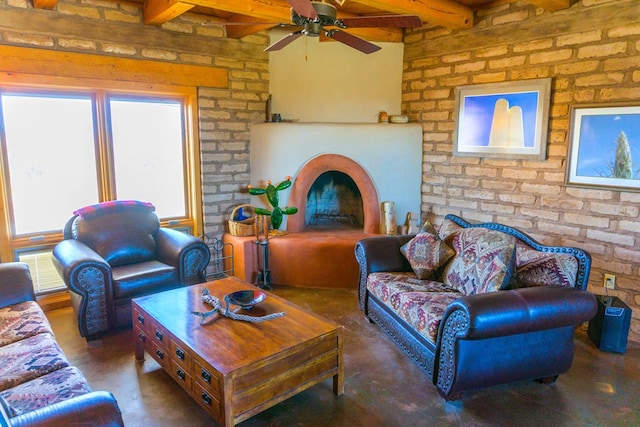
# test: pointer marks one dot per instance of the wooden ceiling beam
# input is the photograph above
(44, 4)
(552, 5)
(158, 12)
(447, 13)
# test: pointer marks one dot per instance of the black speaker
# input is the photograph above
(609, 329)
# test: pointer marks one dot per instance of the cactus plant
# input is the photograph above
(271, 192)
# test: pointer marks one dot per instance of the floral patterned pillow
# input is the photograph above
(426, 253)
(484, 261)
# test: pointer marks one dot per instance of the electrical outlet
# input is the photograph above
(609, 281)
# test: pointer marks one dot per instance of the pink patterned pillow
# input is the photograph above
(484, 261)
(426, 253)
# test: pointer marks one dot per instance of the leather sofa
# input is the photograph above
(37, 385)
(497, 306)
(116, 251)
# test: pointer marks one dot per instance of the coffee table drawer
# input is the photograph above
(180, 374)
(158, 353)
(207, 400)
(158, 334)
(208, 378)
(181, 354)
(140, 319)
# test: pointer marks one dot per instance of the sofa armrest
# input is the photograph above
(87, 275)
(185, 251)
(508, 336)
(520, 311)
(379, 253)
(15, 284)
(98, 408)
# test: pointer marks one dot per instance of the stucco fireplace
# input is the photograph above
(384, 163)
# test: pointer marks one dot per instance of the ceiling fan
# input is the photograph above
(314, 16)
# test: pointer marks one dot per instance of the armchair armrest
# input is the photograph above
(98, 408)
(380, 253)
(88, 276)
(185, 251)
(15, 283)
(521, 310)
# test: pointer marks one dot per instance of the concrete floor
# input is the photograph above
(382, 386)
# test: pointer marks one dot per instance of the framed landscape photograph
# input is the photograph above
(604, 147)
(502, 120)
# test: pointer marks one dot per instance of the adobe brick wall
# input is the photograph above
(592, 52)
(117, 29)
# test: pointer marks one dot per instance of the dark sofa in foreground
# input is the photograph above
(476, 305)
(38, 387)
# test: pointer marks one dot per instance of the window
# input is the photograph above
(66, 149)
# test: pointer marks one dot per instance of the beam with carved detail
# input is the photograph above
(447, 13)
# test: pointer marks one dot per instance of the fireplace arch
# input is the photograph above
(311, 170)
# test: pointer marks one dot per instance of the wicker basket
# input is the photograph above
(244, 228)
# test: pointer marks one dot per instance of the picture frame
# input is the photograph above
(604, 140)
(506, 120)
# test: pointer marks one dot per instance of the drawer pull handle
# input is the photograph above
(180, 374)
(160, 354)
(142, 337)
(206, 398)
(206, 376)
(180, 354)
(141, 319)
(159, 335)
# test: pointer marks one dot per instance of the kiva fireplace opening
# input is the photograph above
(334, 201)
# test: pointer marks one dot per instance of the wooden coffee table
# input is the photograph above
(236, 369)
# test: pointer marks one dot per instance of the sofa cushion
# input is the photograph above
(535, 268)
(421, 303)
(29, 358)
(57, 386)
(22, 320)
(426, 253)
(484, 261)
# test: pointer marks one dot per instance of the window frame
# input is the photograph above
(102, 89)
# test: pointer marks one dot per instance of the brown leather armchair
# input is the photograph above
(116, 251)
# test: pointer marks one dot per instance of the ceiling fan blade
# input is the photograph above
(353, 41)
(397, 21)
(303, 8)
(289, 38)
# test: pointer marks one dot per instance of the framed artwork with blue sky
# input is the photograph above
(503, 120)
(604, 146)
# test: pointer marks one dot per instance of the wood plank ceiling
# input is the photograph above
(260, 15)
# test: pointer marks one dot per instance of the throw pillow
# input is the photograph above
(448, 228)
(428, 227)
(536, 268)
(426, 253)
(484, 261)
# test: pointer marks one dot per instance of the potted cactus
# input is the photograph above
(271, 192)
